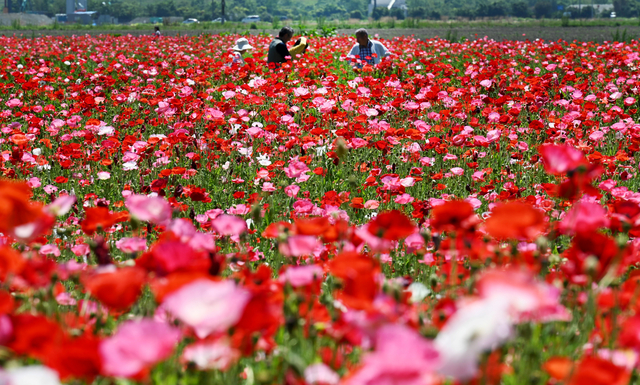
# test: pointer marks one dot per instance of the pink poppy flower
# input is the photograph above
(80, 250)
(371, 204)
(401, 357)
(457, 171)
(61, 205)
(596, 136)
(268, 187)
(404, 199)
(34, 182)
(607, 185)
(320, 374)
(299, 245)
(137, 345)
(584, 217)
(295, 169)
(50, 249)
(559, 159)
(149, 209)
(240, 209)
(131, 245)
(14, 103)
(207, 355)
(229, 225)
(208, 306)
(292, 190)
(298, 276)
(526, 297)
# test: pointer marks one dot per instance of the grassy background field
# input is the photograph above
(597, 34)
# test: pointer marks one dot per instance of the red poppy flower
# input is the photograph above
(76, 358)
(118, 290)
(391, 225)
(315, 226)
(589, 371)
(358, 273)
(34, 335)
(452, 216)
(15, 207)
(97, 217)
(515, 220)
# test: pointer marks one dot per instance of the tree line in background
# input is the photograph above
(472, 9)
(126, 10)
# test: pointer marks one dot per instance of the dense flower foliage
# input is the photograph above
(466, 213)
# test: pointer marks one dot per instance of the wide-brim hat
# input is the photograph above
(241, 45)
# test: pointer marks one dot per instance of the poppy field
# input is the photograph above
(467, 213)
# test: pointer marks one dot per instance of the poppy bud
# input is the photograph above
(101, 251)
(341, 148)
(622, 240)
(353, 182)
(591, 264)
(543, 244)
(436, 241)
(256, 213)
(135, 223)
(555, 259)
(433, 280)
(16, 153)
(426, 236)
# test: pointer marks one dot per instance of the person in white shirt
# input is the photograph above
(366, 51)
(242, 46)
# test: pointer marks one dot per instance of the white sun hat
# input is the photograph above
(242, 44)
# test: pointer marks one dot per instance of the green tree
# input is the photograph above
(542, 9)
(622, 8)
(520, 9)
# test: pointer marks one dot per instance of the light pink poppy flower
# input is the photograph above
(299, 245)
(137, 345)
(149, 209)
(131, 245)
(298, 276)
(207, 355)
(320, 374)
(292, 190)
(229, 225)
(50, 249)
(371, 204)
(401, 357)
(208, 306)
(527, 298)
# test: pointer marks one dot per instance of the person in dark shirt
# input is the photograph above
(278, 51)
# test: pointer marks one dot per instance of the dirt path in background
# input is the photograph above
(596, 34)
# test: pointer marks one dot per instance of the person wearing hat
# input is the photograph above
(366, 51)
(238, 50)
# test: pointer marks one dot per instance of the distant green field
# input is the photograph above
(384, 23)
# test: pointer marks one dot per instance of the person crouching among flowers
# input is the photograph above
(239, 50)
